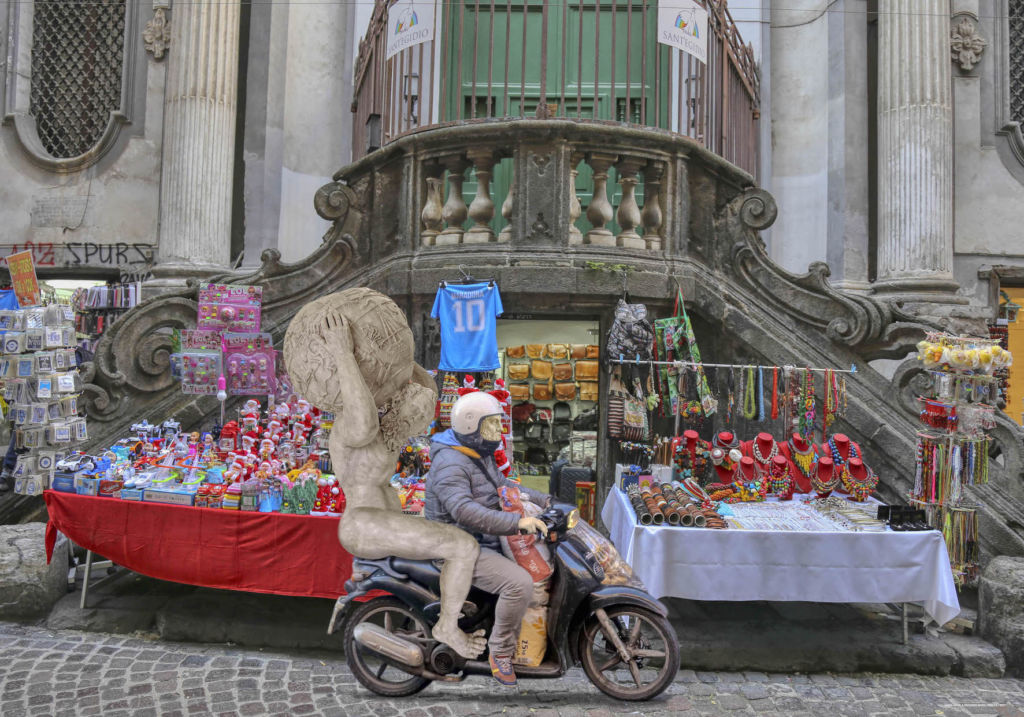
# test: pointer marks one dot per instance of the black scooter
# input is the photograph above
(599, 615)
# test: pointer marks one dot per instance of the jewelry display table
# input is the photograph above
(229, 549)
(837, 566)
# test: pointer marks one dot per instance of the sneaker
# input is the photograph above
(501, 668)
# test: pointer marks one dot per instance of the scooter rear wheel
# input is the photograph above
(651, 645)
(373, 673)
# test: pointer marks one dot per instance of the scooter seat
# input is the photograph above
(424, 572)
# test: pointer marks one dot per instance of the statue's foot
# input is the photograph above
(469, 646)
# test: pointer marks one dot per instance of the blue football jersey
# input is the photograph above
(469, 336)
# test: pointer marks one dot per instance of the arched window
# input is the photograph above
(77, 67)
(1016, 43)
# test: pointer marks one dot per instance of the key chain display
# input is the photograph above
(952, 452)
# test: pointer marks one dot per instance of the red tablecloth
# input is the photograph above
(229, 549)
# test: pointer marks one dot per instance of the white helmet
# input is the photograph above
(472, 408)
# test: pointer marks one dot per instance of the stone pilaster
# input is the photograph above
(915, 152)
(199, 140)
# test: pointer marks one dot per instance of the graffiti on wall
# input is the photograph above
(133, 261)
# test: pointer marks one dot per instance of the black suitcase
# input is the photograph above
(567, 480)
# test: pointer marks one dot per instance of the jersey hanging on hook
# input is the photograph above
(468, 314)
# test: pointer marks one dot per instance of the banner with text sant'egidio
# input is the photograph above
(684, 24)
(410, 22)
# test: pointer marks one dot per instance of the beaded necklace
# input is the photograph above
(749, 403)
(775, 393)
(843, 463)
(804, 460)
(824, 487)
(771, 454)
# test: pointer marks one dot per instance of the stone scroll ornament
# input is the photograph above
(351, 353)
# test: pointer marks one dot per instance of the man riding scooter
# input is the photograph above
(462, 488)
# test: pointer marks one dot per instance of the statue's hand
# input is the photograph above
(337, 334)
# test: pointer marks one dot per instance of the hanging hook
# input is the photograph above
(465, 274)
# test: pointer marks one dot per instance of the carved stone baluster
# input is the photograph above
(628, 214)
(652, 217)
(508, 206)
(455, 211)
(431, 216)
(600, 211)
(575, 235)
(481, 210)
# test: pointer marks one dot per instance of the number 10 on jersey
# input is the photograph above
(469, 315)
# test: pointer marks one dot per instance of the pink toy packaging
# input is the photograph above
(249, 364)
(230, 307)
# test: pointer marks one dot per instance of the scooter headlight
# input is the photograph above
(572, 519)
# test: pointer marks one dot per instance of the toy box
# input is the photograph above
(131, 494)
(174, 495)
(230, 307)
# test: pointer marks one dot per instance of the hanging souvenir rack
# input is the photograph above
(693, 365)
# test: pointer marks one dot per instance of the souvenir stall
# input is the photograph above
(217, 507)
(732, 481)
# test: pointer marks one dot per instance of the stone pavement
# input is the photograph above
(46, 672)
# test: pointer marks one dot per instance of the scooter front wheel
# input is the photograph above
(372, 672)
(629, 652)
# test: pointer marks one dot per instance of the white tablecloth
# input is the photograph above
(842, 567)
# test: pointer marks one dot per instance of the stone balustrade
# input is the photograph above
(622, 203)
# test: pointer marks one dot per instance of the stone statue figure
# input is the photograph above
(351, 353)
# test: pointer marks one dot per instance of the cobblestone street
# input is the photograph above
(76, 673)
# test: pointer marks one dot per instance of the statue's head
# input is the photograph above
(368, 327)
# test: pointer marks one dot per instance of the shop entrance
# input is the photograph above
(552, 365)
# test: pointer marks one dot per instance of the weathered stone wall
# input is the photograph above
(29, 587)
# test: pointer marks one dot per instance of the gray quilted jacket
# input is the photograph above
(464, 491)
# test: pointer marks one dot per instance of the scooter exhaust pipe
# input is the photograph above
(391, 646)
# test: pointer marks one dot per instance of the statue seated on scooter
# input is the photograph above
(462, 488)
(351, 353)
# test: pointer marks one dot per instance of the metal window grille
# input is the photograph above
(77, 59)
(1017, 60)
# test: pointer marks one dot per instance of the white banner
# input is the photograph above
(684, 24)
(410, 22)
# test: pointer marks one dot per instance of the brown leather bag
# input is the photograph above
(565, 391)
(540, 370)
(519, 391)
(578, 351)
(515, 351)
(593, 351)
(541, 392)
(518, 371)
(563, 372)
(535, 351)
(558, 351)
(587, 370)
(588, 390)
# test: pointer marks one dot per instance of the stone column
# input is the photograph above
(199, 140)
(915, 152)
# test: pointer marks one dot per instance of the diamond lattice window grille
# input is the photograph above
(1016, 8)
(77, 59)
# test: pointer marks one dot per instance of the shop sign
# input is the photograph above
(683, 24)
(23, 278)
(410, 22)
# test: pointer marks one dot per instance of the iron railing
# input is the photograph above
(582, 60)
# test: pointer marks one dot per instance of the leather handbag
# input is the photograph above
(561, 432)
(587, 370)
(593, 351)
(558, 351)
(518, 371)
(541, 370)
(521, 412)
(537, 432)
(588, 390)
(578, 351)
(535, 351)
(515, 351)
(565, 391)
(541, 392)
(616, 404)
(519, 391)
(562, 372)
